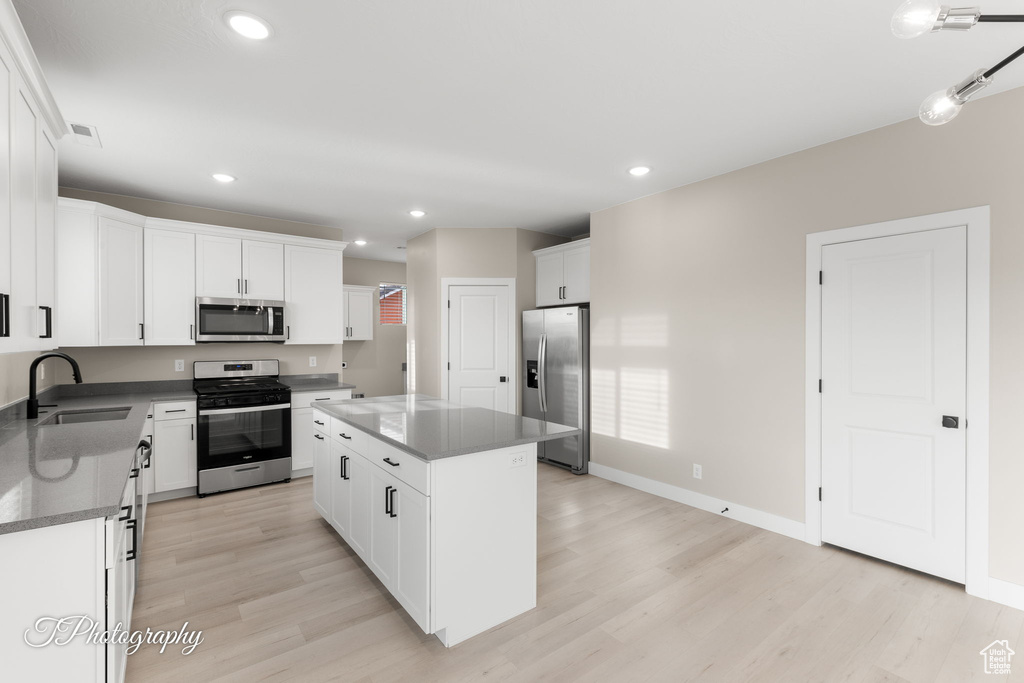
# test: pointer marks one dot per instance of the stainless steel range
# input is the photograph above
(245, 426)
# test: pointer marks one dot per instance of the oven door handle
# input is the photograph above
(249, 409)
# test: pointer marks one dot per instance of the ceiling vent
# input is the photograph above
(85, 135)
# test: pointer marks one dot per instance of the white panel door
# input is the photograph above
(218, 266)
(121, 283)
(170, 270)
(478, 346)
(550, 279)
(313, 293)
(262, 270)
(46, 243)
(383, 530)
(174, 455)
(894, 350)
(303, 443)
(359, 314)
(412, 570)
(577, 275)
(358, 470)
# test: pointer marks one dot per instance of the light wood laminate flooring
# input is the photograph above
(632, 587)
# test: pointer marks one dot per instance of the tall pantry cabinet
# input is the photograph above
(28, 193)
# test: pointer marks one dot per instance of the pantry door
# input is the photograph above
(893, 399)
(480, 347)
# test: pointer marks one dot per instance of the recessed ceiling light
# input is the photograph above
(223, 177)
(416, 213)
(360, 243)
(639, 171)
(248, 25)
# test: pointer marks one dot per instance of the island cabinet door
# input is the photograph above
(358, 469)
(383, 530)
(412, 572)
(321, 474)
(341, 489)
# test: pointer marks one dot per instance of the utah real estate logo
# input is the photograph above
(997, 657)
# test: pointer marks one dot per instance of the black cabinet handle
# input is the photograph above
(5, 321)
(318, 422)
(191, 332)
(393, 464)
(192, 429)
(178, 410)
(133, 524)
(239, 285)
(391, 495)
(317, 436)
(343, 469)
(326, 398)
(347, 438)
(387, 501)
(128, 513)
(134, 474)
(288, 332)
(48, 334)
(246, 286)
(142, 331)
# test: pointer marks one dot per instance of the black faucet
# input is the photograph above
(33, 403)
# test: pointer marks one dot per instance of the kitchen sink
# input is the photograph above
(66, 417)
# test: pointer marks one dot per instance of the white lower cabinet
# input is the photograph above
(304, 423)
(460, 560)
(174, 446)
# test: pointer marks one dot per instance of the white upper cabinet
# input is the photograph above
(31, 125)
(262, 270)
(359, 312)
(121, 283)
(100, 279)
(218, 267)
(314, 312)
(170, 301)
(563, 274)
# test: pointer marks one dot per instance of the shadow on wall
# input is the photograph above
(632, 403)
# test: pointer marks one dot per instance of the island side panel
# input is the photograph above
(484, 540)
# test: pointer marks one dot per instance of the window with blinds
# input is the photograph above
(392, 304)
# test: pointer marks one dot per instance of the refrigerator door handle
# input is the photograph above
(541, 378)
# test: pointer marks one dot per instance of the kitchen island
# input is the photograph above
(439, 500)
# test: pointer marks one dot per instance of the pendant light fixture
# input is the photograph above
(915, 18)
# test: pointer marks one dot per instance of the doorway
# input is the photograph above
(478, 352)
(897, 369)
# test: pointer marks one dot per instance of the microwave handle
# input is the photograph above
(270, 320)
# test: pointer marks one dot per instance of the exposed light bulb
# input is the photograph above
(940, 107)
(360, 243)
(248, 25)
(639, 171)
(416, 213)
(915, 18)
(223, 177)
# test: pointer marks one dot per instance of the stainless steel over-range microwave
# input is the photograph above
(239, 320)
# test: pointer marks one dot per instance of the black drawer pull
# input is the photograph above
(344, 436)
(5, 319)
(391, 495)
(128, 513)
(133, 524)
(387, 501)
(344, 469)
(317, 436)
(134, 474)
(179, 410)
(322, 399)
(393, 464)
(318, 422)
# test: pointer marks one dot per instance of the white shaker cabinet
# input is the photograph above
(563, 274)
(233, 268)
(46, 238)
(174, 446)
(359, 312)
(170, 301)
(100, 280)
(262, 270)
(314, 307)
(321, 473)
(305, 422)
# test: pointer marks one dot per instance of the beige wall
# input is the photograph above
(464, 252)
(375, 366)
(14, 375)
(152, 208)
(698, 308)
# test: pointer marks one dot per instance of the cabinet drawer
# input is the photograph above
(399, 464)
(308, 398)
(320, 421)
(353, 439)
(175, 410)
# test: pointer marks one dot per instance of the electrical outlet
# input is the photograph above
(179, 366)
(698, 472)
(517, 460)
(312, 361)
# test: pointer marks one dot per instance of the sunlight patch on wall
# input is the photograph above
(644, 406)
(603, 399)
(645, 331)
(604, 332)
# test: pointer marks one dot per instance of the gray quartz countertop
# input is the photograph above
(430, 428)
(54, 474)
(315, 383)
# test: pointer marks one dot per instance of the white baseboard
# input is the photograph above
(1006, 593)
(758, 518)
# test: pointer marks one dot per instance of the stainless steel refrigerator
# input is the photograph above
(556, 361)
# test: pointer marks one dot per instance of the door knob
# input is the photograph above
(950, 422)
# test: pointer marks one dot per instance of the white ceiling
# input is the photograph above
(484, 113)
